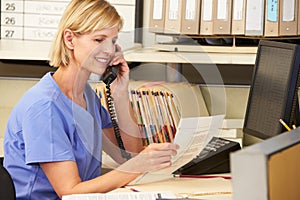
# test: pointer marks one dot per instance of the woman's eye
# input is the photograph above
(99, 40)
(114, 41)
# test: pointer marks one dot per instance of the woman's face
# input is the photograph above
(95, 50)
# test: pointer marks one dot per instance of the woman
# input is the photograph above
(53, 141)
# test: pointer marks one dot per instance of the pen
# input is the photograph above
(134, 190)
(200, 176)
(284, 124)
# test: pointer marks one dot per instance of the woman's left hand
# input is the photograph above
(120, 84)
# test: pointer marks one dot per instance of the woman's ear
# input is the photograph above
(68, 38)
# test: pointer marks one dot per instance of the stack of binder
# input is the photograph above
(265, 18)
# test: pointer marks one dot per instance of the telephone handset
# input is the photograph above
(110, 74)
(108, 77)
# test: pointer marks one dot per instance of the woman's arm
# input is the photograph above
(65, 179)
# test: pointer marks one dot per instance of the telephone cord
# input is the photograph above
(111, 110)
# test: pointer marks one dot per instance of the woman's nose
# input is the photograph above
(109, 47)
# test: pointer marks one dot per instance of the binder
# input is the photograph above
(288, 17)
(238, 17)
(157, 16)
(190, 22)
(272, 18)
(222, 17)
(255, 18)
(206, 23)
(173, 16)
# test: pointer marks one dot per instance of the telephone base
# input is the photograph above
(211, 162)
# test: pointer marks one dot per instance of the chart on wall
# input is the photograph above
(37, 20)
(30, 19)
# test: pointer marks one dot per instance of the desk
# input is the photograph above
(202, 188)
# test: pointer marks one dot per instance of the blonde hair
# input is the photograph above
(82, 16)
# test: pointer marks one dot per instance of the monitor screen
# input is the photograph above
(273, 92)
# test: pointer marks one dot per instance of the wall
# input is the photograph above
(11, 91)
(232, 102)
(235, 99)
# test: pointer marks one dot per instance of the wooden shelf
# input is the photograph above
(24, 50)
(193, 54)
(37, 50)
(31, 50)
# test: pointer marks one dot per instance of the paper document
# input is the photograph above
(120, 196)
(192, 136)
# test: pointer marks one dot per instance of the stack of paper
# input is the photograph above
(120, 196)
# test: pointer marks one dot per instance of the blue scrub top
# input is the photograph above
(46, 126)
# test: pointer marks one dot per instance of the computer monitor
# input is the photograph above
(274, 90)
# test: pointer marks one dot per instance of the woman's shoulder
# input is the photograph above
(45, 91)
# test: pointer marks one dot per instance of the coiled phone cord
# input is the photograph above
(111, 110)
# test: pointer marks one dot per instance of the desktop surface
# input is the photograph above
(210, 188)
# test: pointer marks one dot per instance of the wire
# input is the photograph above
(113, 116)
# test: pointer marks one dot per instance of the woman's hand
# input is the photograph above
(154, 157)
(122, 80)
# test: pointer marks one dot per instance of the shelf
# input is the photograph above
(24, 50)
(37, 50)
(31, 50)
(193, 54)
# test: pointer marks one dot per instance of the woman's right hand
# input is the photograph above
(154, 157)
